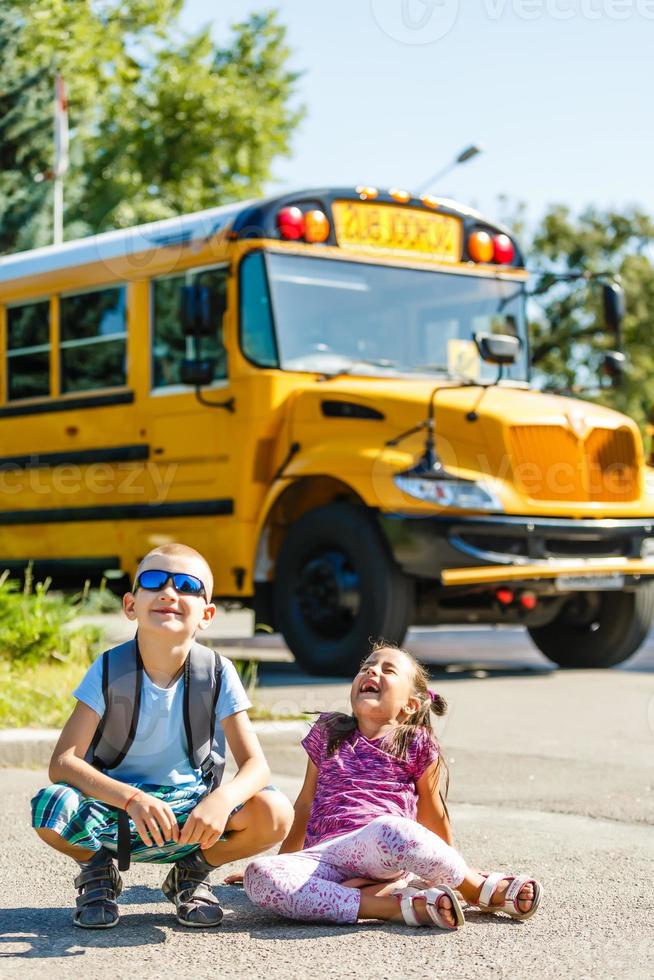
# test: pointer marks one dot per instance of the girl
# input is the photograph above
(370, 811)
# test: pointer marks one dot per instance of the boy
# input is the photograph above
(174, 816)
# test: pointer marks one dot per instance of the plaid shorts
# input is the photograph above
(91, 824)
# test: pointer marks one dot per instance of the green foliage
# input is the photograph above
(248, 671)
(25, 139)
(36, 626)
(568, 336)
(162, 122)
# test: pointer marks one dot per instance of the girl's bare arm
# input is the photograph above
(431, 809)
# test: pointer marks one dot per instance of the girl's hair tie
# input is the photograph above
(433, 696)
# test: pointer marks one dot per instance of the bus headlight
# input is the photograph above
(465, 494)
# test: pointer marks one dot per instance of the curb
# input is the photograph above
(28, 748)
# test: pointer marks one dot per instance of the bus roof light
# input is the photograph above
(366, 192)
(503, 249)
(290, 222)
(400, 196)
(480, 247)
(316, 226)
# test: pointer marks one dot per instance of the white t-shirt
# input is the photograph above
(159, 752)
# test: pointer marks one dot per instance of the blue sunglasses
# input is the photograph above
(154, 579)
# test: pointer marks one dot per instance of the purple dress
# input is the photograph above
(361, 780)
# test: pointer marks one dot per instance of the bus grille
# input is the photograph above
(551, 463)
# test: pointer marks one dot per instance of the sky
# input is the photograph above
(558, 92)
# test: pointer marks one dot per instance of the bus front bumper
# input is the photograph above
(478, 551)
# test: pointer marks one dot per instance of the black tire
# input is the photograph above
(336, 588)
(597, 629)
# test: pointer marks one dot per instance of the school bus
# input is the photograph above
(327, 393)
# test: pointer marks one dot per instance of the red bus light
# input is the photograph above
(290, 222)
(503, 249)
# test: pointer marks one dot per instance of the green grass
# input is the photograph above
(37, 695)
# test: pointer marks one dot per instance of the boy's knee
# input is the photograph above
(273, 814)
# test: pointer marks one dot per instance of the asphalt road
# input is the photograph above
(551, 774)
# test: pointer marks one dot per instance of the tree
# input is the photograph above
(568, 338)
(162, 122)
(25, 141)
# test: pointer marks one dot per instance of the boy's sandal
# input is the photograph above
(187, 887)
(407, 897)
(99, 885)
(510, 904)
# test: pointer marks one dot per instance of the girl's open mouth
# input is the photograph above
(369, 687)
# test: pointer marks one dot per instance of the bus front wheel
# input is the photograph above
(597, 629)
(336, 588)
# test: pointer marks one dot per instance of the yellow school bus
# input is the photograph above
(327, 393)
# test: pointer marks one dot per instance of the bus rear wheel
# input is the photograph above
(336, 588)
(597, 629)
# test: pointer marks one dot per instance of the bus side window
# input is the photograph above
(28, 350)
(170, 346)
(257, 331)
(93, 328)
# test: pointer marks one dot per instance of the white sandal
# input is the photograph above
(407, 897)
(510, 904)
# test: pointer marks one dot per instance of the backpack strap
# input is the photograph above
(122, 678)
(202, 683)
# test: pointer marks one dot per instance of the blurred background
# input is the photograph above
(175, 106)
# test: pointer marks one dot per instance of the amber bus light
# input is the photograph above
(316, 226)
(480, 247)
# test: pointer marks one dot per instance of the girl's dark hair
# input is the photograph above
(340, 726)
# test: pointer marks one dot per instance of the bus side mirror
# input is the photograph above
(498, 348)
(201, 311)
(197, 372)
(614, 365)
(614, 307)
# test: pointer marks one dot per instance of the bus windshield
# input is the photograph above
(337, 316)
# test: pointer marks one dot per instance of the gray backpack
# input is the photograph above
(122, 675)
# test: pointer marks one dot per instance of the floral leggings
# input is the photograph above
(307, 885)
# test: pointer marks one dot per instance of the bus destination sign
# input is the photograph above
(383, 227)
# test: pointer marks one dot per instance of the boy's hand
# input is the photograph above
(154, 820)
(206, 821)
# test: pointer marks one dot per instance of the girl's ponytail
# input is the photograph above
(438, 703)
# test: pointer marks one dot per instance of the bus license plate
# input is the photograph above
(581, 583)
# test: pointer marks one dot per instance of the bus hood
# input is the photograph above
(544, 452)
